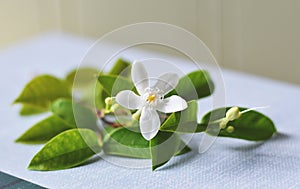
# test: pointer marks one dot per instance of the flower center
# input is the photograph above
(151, 98)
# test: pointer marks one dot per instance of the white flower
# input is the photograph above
(151, 99)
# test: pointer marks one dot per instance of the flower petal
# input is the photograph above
(139, 77)
(128, 99)
(172, 104)
(149, 123)
(167, 82)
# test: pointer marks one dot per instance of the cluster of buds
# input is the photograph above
(231, 115)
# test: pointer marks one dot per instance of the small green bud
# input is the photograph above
(230, 129)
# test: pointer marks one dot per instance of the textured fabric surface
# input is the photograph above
(229, 163)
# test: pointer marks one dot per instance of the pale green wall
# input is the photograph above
(257, 36)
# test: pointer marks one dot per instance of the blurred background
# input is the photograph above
(255, 36)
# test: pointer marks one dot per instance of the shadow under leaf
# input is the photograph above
(255, 145)
(91, 160)
(179, 160)
(281, 136)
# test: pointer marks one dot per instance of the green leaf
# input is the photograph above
(128, 142)
(125, 142)
(43, 90)
(28, 110)
(113, 84)
(120, 68)
(43, 131)
(92, 95)
(104, 90)
(66, 150)
(251, 125)
(184, 121)
(100, 96)
(74, 114)
(84, 76)
(183, 149)
(193, 86)
(87, 86)
(163, 147)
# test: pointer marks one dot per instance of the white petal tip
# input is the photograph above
(128, 99)
(149, 123)
(136, 62)
(139, 77)
(184, 105)
(172, 104)
(149, 136)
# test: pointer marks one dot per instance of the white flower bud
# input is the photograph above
(114, 107)
(223, 123)
(108, 100)
(136, 115)
(233, 113)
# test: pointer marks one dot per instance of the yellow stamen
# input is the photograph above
(150, 98)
